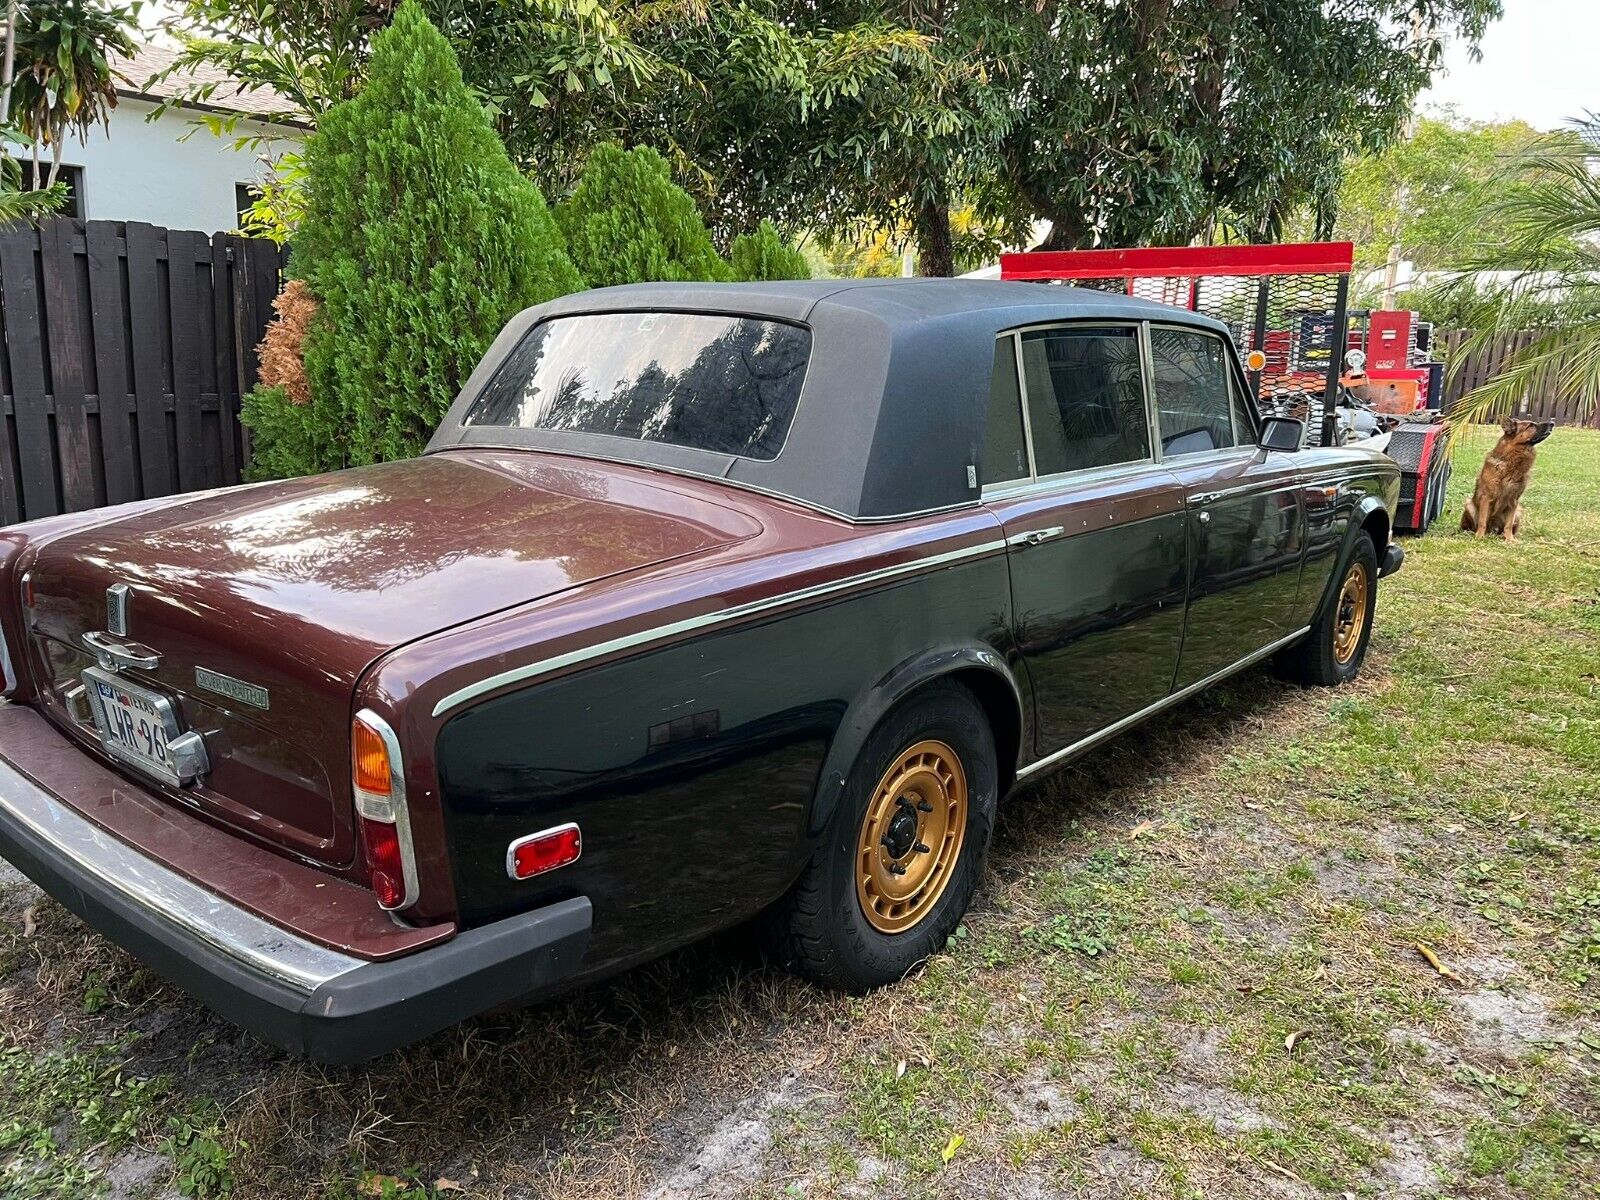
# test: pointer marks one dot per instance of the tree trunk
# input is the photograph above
(1068, 231)
(936, 250)
(9, 69)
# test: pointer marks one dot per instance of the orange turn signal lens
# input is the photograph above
(372, 770)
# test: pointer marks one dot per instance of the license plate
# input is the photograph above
(136, 724)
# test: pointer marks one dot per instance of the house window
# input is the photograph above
(245, 196)
(69, 175)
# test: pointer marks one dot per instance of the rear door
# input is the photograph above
(1247, 518)
(1096, 528)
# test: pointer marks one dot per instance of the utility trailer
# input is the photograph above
(1287, 307)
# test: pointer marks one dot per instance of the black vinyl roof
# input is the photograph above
(895, 400)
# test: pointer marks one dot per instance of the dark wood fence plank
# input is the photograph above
(117, 445)
(1468, 371)
(222, 348)
(184, 250)
(147, 310)
(19, 246)
(135, 333)
(74, 450)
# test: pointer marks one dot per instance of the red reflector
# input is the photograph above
(384, 866)
(541, 852)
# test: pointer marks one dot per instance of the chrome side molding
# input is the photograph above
(1110, 731)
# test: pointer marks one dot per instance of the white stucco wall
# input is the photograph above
(143, 170)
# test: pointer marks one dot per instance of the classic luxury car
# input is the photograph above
(704, 601)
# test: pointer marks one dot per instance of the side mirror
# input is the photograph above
(1282, 433)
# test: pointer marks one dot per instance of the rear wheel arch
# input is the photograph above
(979, 669)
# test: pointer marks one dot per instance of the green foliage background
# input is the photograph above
(765, 255)
(627, 222)
(420, 240)
(1423, 192)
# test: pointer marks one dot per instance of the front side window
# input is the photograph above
(727, 384)
(1193, 397)
(1085, 391)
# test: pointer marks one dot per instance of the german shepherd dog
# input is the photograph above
(1496, 504)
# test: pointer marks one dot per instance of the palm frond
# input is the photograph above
(1553, 254)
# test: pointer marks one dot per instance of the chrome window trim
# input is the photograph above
(1064, 481)
(391, 809)
(707, 621)
(1022, 399)
(167, 896)
(1110, 731)
(8, 674)
(511, 850)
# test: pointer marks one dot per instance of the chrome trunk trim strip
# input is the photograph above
(707, 621)
(1110, 731)
(163, 893)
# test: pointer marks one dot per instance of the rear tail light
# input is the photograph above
(544, 851)
(378, 778)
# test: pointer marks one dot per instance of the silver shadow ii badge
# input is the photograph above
(234, 689)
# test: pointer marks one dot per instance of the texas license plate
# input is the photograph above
(135, 723)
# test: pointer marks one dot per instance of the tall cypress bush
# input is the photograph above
(420, 239)
(628, 222)
(765, 255)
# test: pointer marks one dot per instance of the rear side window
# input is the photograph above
(721, 383)
(1194, 401)
(1005, 452)
(1085, 392)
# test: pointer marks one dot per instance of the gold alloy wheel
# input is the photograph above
(910, 839)
(1351, 614)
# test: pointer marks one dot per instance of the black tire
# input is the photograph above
(1315, 659)
(827, 935)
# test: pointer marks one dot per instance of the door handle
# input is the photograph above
(1205, 497)
(1037, 537)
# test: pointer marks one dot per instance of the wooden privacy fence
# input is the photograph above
(124, 349)
(1483, 364)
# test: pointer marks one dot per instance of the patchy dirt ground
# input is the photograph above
(1196, 968)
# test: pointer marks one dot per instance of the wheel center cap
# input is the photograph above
(901, 834)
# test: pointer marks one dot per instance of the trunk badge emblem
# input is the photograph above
(117, 609)
(235, 689)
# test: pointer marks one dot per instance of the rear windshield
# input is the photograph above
(720, 383)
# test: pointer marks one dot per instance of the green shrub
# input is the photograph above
(284, 436)
(627, 222)
(765, 255)
(420, 240)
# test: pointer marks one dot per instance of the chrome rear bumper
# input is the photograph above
(303, 996)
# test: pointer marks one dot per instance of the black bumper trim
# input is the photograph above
(355, 1015)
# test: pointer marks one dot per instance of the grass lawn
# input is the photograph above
(1196, 969)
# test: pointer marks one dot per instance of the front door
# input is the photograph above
(1096, 528)
(1247, 518)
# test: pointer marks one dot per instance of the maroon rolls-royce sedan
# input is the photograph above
(705, 600)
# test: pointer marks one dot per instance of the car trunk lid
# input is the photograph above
(267, 604)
